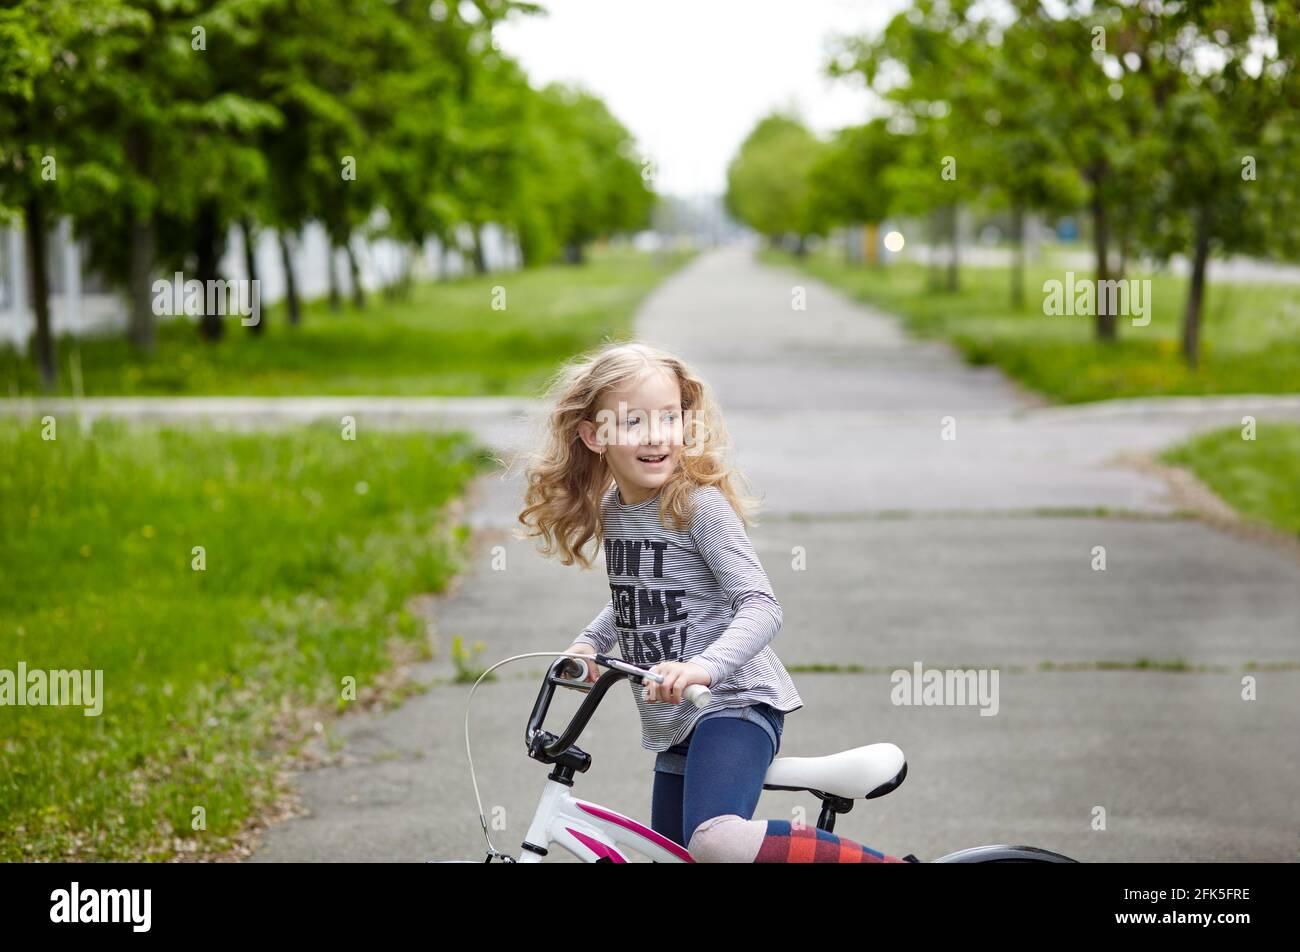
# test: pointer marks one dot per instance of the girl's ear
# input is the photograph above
(587, 431)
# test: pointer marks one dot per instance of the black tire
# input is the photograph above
(1004, 854)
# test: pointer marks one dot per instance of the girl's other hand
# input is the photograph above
(581, 647)
(678, 676)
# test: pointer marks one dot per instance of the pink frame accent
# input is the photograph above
(596, 846)
(617, 818)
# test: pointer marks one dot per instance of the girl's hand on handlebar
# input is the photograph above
(581, 647)
(678, 676)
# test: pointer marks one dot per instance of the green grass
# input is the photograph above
(1259, 478)
(1250, 333)
(313, 546)
(445, 339)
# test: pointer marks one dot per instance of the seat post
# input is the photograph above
(832, 806)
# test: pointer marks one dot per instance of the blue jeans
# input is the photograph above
(726, 756)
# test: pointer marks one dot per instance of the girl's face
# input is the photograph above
(640, 430)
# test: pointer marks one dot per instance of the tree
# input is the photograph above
(48, 54)
(1032, 173)
(769, 181)
(584, 176)
(848, 179)
(1226, 114)
(930, 64)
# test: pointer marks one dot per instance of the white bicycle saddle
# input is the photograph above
(856, 774)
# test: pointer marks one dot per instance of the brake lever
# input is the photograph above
(635, 672)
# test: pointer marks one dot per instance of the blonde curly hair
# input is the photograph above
(566, 482)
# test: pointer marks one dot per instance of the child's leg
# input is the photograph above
(725, 767)
(666, 806)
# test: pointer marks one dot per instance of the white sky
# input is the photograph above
(690, 78)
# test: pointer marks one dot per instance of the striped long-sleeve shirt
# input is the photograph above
(697, 595)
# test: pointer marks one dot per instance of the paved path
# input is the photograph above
(973, 553)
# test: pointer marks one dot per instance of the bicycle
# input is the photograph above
(596, 834)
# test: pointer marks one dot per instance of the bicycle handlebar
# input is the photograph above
(576, 669)
(697, 694)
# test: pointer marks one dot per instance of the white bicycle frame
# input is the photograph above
(591, 832)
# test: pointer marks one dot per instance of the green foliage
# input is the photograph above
(172, 120)
(849, 180)
(1176, 126)
(588, 180)
(466, 660)
(769, 182)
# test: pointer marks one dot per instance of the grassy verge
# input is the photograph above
(1259, 478)
(445, 339)
(1249, 334)
(311, 547)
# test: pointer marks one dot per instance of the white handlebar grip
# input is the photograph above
(580, 675)
(698, 695)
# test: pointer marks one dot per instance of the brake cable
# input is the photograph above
(492, 851)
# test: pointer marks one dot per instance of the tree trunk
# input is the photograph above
(801, 246)
(408, 269)
(292, 305)
(211, 325)
(933, 273)
(1123, 249)
(336, 297)
(1106, 323)
(1017, 257)
(142, 321)
(480, 259)
(39, 286)
(358, 292)
(954, 274)
(1196, 293)
(250, 266)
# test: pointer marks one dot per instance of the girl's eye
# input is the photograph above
(636, 420)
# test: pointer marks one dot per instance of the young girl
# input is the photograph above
(635, 456)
